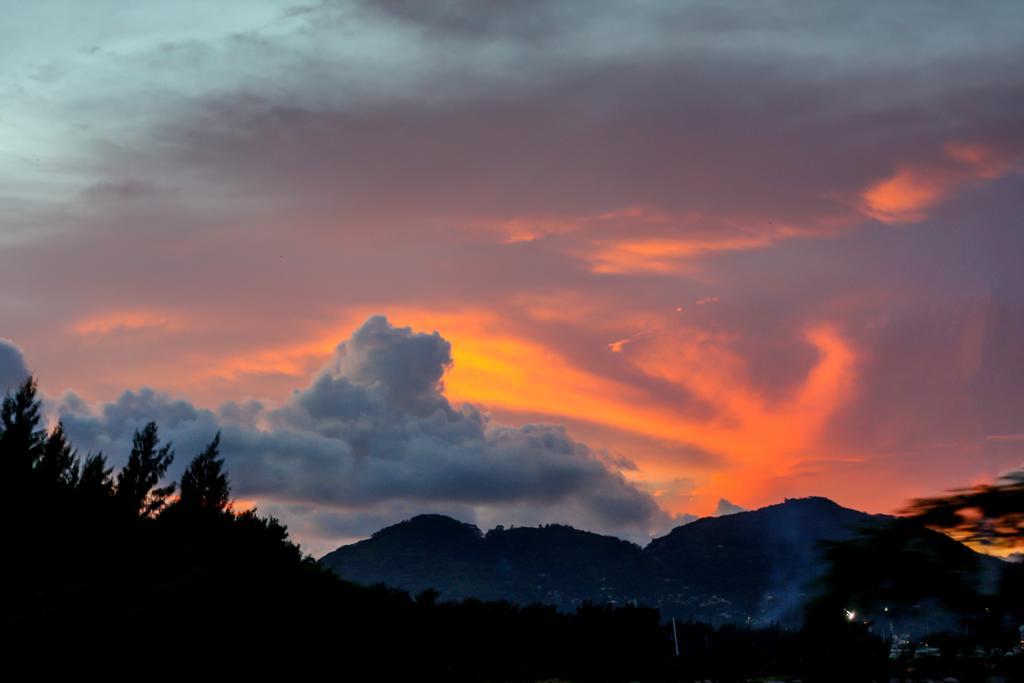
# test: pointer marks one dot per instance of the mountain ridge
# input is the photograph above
(756, 566)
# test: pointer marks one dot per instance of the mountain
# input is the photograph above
(553, 564)
(758, 565)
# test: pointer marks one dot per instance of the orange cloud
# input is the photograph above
(643, 239)
(618, 346)
(659, 255)
(528, 228)
(761, 438)
(908, 195)
(905, 197)
(129, 320)
(567, 306)
(670, 253)
(982, 160)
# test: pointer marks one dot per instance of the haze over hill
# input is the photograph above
(758, 565)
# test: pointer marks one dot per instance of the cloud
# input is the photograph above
(619, 345)
(13, 369)
(908, 195)
(726, 507)
(407, 366)
(1005, 438)
(576, 171)
(374, 435)
(128, 321)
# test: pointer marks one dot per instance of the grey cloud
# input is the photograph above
(241, 412)
(373, 435)
(13, 369)
(408, 366)
(110, 427)
(726, 507)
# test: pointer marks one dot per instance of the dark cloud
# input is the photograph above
(13, 369)
(110, 426)
(407, 366)
(374, 435)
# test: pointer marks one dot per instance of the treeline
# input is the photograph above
(129, 573)
(132, 575)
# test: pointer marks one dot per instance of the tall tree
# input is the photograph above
(21, 438)
(146, 466)
(58, 463)
(204, 485)
(94, 480)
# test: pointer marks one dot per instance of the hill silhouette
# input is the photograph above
(554, 564)
(759, 566)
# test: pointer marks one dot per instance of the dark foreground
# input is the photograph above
(128, 578)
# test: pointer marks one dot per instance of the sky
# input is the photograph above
(611, 264)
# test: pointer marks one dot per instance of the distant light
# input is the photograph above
(886, 609)
(850, 614)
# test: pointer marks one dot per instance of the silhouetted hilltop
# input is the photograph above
(564, 566)
(756, 564)
(554, 564)
(759, 565)
(427, 533)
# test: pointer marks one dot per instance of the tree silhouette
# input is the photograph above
(204, 485)
(989, 514)
(146, 466)
(94, 480)
(58, 463)
(21, 439)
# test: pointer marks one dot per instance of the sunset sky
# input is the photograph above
(597, 262)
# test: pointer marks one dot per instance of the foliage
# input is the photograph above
(147, 463)
(58, 462)
(21, 439)
(987, 514)
(204, 485)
